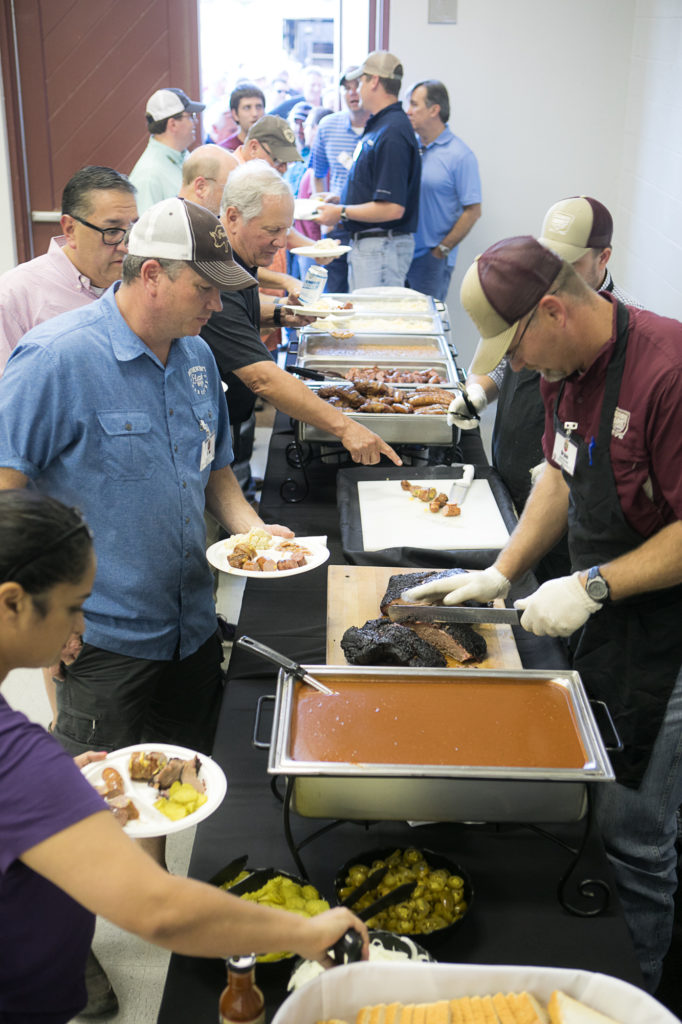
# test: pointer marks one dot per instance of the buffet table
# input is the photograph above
(515, 917)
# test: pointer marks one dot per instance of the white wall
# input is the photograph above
(649, 214)
(556, 97)
(538, 90)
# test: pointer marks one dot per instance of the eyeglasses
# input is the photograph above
(185, 113)
(20, 566)
(110, 236)
(511, 352)
(278, 164)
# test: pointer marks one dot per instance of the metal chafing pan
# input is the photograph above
(443, 365)
(397, 305)
(398, 792)
(411, 324)
(369, 348)
(394, 427)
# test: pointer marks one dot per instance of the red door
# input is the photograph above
(77, 75)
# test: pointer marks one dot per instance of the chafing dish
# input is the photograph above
(387, 323)
(394, 427)
(526, 789)
(367, 349)
(397, 304)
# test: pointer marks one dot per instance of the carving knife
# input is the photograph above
(460, 488)
(452, 613)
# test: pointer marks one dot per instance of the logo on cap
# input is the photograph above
(288, 134)
(561, 223)
(219, 238)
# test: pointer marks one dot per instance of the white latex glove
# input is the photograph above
(458, 414)
(557, 608)
(478, 585)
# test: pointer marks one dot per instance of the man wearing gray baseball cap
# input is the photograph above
(612, 391)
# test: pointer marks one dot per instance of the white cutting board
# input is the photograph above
(392, 518)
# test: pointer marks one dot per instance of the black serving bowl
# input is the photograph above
(255, 881)
(435, 861)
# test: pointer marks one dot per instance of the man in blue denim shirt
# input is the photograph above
(118, 408)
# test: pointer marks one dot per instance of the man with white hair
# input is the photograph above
(257, 212)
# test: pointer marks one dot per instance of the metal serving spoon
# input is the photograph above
(279, 659)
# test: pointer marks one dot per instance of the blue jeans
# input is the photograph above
(639, 829)
(380, 261)
(430, 275)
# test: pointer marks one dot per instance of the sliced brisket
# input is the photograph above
(406, 581)
(382, 642)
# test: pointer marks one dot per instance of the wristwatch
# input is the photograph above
(444, 249)
(277, 315)
(596, 586)
(344, 215)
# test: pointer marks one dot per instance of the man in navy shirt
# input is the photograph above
(380, 202)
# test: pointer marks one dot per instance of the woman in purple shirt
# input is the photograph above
(63, 856)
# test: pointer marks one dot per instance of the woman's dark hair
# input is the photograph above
(42, 543)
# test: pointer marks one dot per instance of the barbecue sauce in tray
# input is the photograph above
(482, 722)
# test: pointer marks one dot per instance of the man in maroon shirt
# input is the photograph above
(247, 105)
(612, 387)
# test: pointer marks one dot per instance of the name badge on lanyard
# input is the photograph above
(565, 451)
(207, 447)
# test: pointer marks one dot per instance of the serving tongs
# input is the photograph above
(348, 948)
(309, 374)
(280, 660)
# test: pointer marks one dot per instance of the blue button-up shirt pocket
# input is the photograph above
(126, 445)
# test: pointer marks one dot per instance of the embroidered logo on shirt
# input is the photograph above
(199, 379)
(621, 422)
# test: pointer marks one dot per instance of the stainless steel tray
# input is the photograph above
(444, 365)
(366, 349)
(397, 792)
(396, 428)
(388, 323)
(397, 305)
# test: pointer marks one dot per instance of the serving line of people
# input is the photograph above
(63, 857)
(611, 384)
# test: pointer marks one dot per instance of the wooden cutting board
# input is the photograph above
(353, 596)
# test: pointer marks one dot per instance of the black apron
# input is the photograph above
(629, 653)
(517, 433)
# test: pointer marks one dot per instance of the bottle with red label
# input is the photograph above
(242, 1001)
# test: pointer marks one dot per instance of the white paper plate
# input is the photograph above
(319, 553)
(305, 209)
(152, 822)
(316, 251)
(334, 313)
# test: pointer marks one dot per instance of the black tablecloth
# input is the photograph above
(515, 917)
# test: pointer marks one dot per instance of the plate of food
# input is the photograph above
(157, 788)
(323, 307)
(259, 555)
(305, 209)
(324, 249)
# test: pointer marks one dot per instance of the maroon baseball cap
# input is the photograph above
(574, 226)
(500, 287)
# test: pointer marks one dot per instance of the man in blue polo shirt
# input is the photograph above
(380, 203)
(450, 194)
(332, 159)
